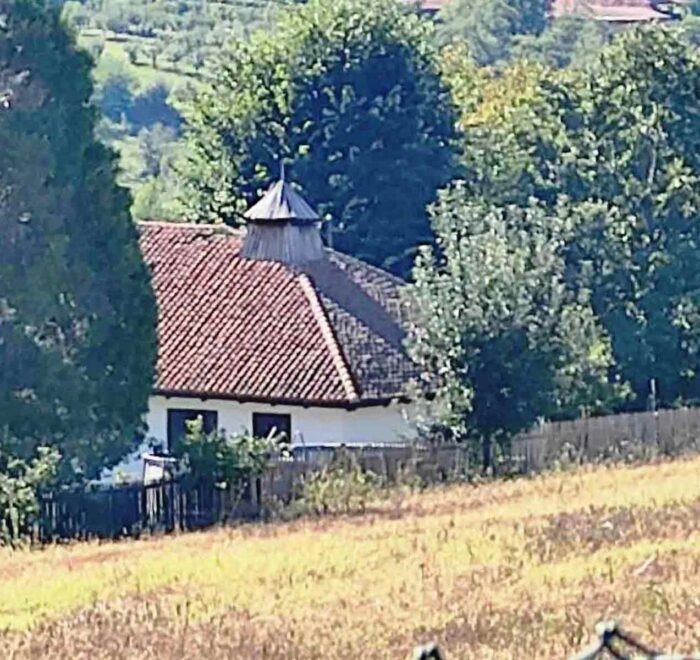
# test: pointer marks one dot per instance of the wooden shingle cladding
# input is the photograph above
(329, 334)
(282, 227)
(281, 203)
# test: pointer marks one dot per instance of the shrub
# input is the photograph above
(341, 487)
(226, 461)
(21, 481)
(115, 97)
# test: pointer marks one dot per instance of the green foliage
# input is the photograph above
(348, 93)
(498, 32)
(614, 148)
(77, 315)
(340, 487)
(181, 33)
(507, 340)
(21, 482)
(115, 96)
(567, 41)
(224, 460)
(492, 28)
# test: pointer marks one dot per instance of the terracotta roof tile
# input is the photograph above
(260, 330)
(610, 10)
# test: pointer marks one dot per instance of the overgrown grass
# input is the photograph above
(506, 570)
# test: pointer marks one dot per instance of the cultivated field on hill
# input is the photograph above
(518, 569)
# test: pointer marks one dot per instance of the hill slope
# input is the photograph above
(148, 55)
(517, 569)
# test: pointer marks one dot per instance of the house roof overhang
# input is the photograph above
(300, 403)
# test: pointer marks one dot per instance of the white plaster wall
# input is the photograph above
(310, 426)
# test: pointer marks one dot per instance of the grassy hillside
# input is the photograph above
(520, 569)
(148, 55)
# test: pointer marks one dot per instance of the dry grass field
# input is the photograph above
(520, 569)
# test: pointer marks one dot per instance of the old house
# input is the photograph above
(265, 328)
(619, 12)
(612, 12)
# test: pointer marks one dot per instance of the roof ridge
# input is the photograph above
(344, 256)
(339, 360)
(220, 227)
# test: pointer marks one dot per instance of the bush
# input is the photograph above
(21, 481)
(115, 96)
(152, 107)
(226, 461)
(341, 487)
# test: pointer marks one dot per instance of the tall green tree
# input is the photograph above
(77, 314)
(615, 146)
(492, 28)
(507, 340)
(346, 92)
(566, 41)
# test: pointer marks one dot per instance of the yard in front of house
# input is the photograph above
(522, 568)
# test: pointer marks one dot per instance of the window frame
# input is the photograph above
(189, 414)
(287, 427)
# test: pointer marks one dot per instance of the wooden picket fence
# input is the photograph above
(177, 506)
(132, 510)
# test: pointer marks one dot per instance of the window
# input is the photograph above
(177, 423)
(264, 423)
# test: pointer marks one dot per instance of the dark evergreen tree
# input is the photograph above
(77, 314)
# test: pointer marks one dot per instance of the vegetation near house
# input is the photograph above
(348, 94)
(77, 315)
(223, 460)
(507, 339)
(514, 569)
(613, 152)
(492, 28)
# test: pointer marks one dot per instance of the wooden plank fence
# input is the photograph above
(629, 436)
(134, 509)
(175, 506)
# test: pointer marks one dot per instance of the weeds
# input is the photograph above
(520, 569)
(341, 487)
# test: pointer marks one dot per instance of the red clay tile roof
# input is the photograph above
(612, 11)
(259, 330)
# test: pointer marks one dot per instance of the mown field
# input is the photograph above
(520, 569)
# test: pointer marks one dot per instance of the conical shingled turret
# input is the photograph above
(281, 203)
(283, 227)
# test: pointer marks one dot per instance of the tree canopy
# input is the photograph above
(492, 28)
(349, 95)
(613, 148)
(77, 315)
(507, 339)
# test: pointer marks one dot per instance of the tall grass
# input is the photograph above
(506, 570)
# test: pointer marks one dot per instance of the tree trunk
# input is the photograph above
(487, 454)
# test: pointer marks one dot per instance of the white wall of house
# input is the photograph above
(311, 426)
